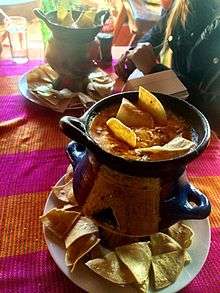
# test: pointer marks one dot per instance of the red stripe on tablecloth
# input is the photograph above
(35, 272)
(208, 163)
(31, 172)
(9, 68)
(208, 280)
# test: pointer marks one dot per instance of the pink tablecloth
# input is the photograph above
(32, 159)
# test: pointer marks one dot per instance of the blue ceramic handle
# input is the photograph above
(76, 153)
(202, 208)
(179, 208)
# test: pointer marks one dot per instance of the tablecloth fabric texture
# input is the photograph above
(32, 159)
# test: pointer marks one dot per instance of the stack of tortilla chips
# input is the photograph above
(156, 263)
(40, 82)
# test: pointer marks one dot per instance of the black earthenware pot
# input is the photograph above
(69, 34)
(71, 51)
(175, 190)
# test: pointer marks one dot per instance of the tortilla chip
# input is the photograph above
(177, 146)
(69, 174)
(57, 100)
(40, 85)
(33, 76)
(112, 269)
(86, 19)
(69, 207)
(44, 89)
(65, 192)
(130, 115)
(179, 142)
(182, 234)
(59, 221)
(166, 268)
(50, 95)
(105, 79)
(148, 102)
(137, 258)
(51, 74)
(142, 288)
(43, 73)
(187, 257)
(161, 243)
(103, 89)
(65, 93)
(97, 73)
(100, 84)
(122, 132)
(84, 226)
(54, 96)
(79, 249)
(36, 75)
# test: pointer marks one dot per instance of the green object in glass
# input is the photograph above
(46, 6)
(50, 5)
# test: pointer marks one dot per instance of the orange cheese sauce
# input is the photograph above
(146, 137)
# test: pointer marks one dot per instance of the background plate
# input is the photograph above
(23, 87)
(89, 281)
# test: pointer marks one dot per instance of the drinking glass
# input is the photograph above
(16, 27)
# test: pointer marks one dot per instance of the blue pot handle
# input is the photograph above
(76, 153)
(178, 207)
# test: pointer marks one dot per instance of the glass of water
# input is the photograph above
(16, 27)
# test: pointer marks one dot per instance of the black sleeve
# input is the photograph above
(209, 105)
(205, 57)
(156, 34)
(206, 50)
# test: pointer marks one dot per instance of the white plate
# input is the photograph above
(89, 281)
(23, 87)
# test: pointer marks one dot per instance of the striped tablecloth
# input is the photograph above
(32, 159)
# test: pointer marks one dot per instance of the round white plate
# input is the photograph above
(89, 281)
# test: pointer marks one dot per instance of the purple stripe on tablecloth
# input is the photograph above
(204, 167)
(208, 163)
(208, 280)
(9, 68)
(33, 273)
(16, 106)
(36, 171)
(12, 107)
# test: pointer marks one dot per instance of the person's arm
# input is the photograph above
(205, 54)
(152, 42)
(205, 57)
